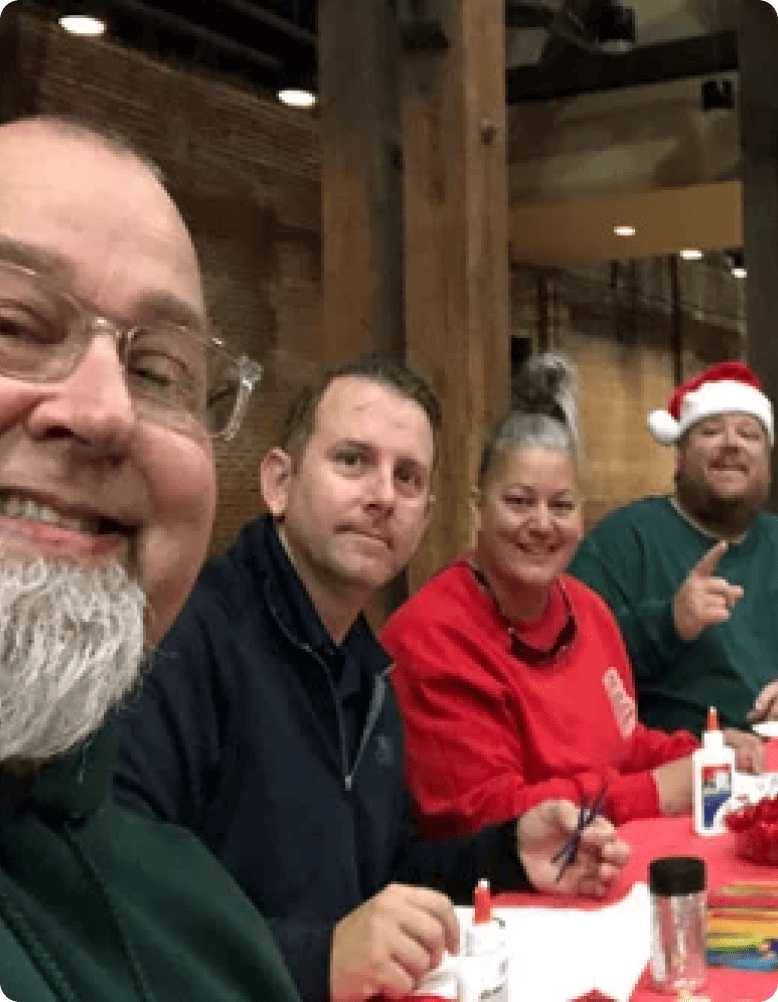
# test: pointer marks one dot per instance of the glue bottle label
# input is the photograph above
(484, 978)
(716, 783)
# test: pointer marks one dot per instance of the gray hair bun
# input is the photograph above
(548, 384)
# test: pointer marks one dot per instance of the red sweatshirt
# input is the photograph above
(487, 736)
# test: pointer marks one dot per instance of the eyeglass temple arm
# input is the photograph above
(250, 373)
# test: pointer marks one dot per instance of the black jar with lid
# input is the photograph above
(678, 917)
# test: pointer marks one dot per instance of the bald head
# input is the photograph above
(92, 221)
(67, 128)
(57, 176)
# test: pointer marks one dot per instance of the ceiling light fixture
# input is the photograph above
(691, 254)
(297, 97)
(615, 27)
(736, 260)
(716, 94)
(624, 231)
(82, 24)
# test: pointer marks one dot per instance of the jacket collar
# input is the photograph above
(292, 604)
(69, 787)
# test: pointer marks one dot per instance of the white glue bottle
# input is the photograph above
(484, 967)
(714, 772)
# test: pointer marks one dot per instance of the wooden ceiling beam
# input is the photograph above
(584, 72)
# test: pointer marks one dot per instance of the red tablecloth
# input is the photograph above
(676, 837)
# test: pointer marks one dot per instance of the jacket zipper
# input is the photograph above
(376, 700)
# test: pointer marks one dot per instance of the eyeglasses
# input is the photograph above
(542, 656)
(534, 656)
(175, 375)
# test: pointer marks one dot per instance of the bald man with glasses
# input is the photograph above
(111, 391)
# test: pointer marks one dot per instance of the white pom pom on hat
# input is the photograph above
(663, 427)
(723, 388)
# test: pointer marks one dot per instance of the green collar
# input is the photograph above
(71, 786)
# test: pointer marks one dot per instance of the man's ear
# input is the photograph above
(428, 510)
(679, 457)
(275, 474)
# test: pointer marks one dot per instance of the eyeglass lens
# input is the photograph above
(173, 374)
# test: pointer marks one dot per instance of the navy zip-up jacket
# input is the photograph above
(284, 753)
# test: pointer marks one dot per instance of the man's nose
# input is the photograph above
(92, 404)
(731, 438)
(382, 488)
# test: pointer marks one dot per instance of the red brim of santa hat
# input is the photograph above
(726, 396)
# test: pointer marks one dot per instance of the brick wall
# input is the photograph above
(245, 172)
(616, 323)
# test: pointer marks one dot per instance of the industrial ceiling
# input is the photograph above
(553, 48)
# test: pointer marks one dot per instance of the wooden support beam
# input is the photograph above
(361, 177)
(362, 207)
(758, 43)
(456, 250)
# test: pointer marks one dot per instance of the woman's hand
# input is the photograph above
(674, 786)
(542, 833)
(749, 750)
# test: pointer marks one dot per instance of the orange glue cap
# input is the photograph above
(482, 903)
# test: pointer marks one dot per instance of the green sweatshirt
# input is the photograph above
(98, 903)
(637, 558)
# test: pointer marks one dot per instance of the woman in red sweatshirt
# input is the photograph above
(512, 677)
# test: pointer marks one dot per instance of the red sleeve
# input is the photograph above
(463, 749)
(651, 748)
(463, 754)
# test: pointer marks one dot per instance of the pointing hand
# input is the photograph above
(704, 599)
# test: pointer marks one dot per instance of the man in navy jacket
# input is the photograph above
(268, 725)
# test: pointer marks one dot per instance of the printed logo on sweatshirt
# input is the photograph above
(623, 704)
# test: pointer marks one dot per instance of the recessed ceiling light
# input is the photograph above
(615, 29)
(691, 254)
(296, 97)
(736, 260)
(624, 231)
(79, 24)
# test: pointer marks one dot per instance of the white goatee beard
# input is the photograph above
(71, 645)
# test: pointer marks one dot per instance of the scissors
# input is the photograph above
(587, 814)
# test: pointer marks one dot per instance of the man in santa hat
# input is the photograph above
(693, 576)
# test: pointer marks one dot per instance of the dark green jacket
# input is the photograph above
(98, 903)
(637, 558)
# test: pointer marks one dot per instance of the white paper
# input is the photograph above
(751, 788)
(766, 728)
(556, 954)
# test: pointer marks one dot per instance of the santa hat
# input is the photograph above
(721, 389)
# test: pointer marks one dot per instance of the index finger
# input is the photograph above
(599, 833)
(707, 563)
(440, 908)
(764, 702)
(616, 853)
